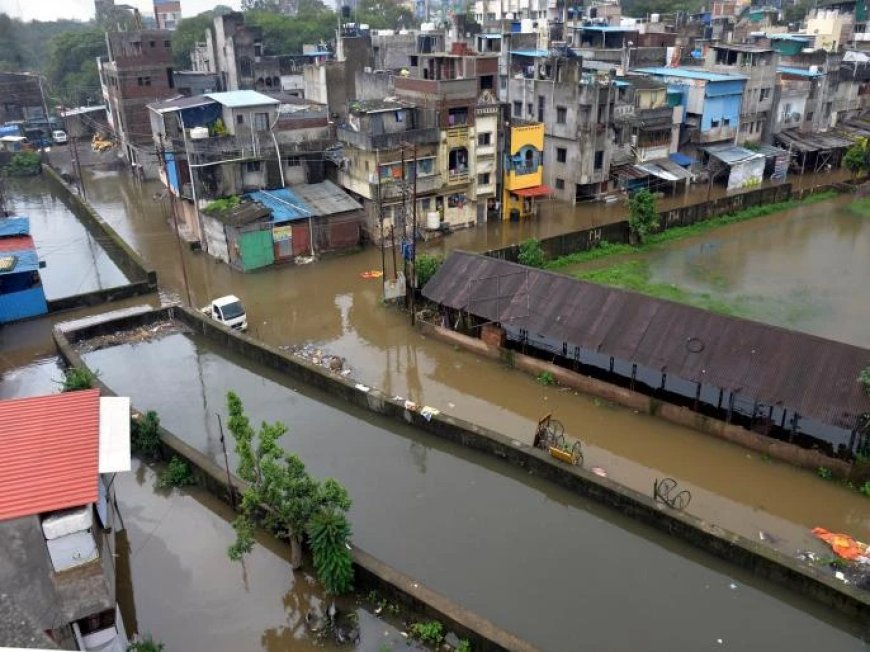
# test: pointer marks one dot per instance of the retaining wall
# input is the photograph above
(370, 573)
(618, 232)
(749, 554)
(143, 279)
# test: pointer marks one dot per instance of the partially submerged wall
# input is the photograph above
(143, 280)
(754, 556)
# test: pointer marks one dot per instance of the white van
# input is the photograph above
(229, 311)
(59, 136)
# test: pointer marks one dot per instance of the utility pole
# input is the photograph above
(413, 279)
(404, 213)
(226, 462)
(161, 156)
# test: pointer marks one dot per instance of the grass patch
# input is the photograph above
(634, 275)
(655, 240)
(860, 207)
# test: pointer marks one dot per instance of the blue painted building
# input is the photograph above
(711, 101)
(21, 293)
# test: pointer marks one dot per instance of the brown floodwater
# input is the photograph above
(75, 261)
(329, 304)
(806, 269)
(526, 554)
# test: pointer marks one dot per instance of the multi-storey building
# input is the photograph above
(576, 108)
(137, 71)
(523, 170)
(167, 13)
(758, 65)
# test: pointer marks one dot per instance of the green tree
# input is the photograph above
(190, 31)
(426, 265)
(260, 5)
(384, 14)
(71, 65)
(643, 218)
(291, 502)
(76, 378)
(857, 158)
(287, 34)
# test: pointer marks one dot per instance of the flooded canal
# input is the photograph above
(806, 269)
(330, 305)
(530, 556)
(75, 261)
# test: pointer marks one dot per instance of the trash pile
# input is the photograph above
(137, 335)
(851, 563)
(310, 353)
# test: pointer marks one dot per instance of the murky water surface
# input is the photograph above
(75, 261)
(806, 269)
(528, 555)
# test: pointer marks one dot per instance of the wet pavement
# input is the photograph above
(75, 261)
(806, 269)
(530, 556)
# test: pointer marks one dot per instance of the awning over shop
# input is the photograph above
(535, 191)
(665, 169)
(681, 159)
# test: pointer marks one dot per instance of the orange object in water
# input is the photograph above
(375, 273)
(842, 544)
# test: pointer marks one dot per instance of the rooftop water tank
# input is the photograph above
(433, 220)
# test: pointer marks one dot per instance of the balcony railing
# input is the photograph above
(457, 178)
(391, 189)
(370, 142)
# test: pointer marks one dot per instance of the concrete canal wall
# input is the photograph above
(370, 573)
(143, 280)
(618, 232)
(754, 556)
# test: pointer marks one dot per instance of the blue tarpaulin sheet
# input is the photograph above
(14, 226)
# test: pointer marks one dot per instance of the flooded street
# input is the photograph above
(805, 269)
(76, 263)
(329, 304)
(514, 548)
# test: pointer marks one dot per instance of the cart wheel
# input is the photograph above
(681, 500)
(556, 428)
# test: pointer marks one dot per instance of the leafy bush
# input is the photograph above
(865, 488)
(145, 434)
(546, 378)
(176, 474)
(464, 646)
(431, 632)
(531, 253)
(24, 164)
(76, 378)
(328, 534)
(427, 265)
(824, 473)
(223, 205)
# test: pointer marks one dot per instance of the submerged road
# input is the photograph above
(544, 563)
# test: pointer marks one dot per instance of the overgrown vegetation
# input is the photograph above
(546, 378)
(860, 207)
(857, 157)
(145, 434)
(176, 474)
(76, 378)
(426, 266)
(430, 632)
(147, 644)
(531, 253)
(643, 217)
(289, 502)
(24, 164)
(864, 379)
(218, 206)
(824, 473)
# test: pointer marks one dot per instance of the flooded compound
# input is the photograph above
(75, 261)
(327, 305)
(175, 581)
(516, 549)
(805, 268)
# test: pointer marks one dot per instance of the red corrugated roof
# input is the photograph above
(49, 452)
(18, 243)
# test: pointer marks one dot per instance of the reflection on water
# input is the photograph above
(75, 261)
(526, 554)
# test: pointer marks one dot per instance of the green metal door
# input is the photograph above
(256, 249)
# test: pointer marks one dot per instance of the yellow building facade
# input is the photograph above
(523, 181)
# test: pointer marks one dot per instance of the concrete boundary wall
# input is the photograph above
(143, 280)
(749, 554)
(370, 573)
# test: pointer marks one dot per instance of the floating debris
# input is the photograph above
(138, 335)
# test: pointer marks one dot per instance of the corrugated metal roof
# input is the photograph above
(25, 257)
(689, 73)
(605, 28)
(326, 198)
(731, 154)
(13, 226)
(48, 452)
(181, 102)
(800, 72)
(283, 203)
(804, 373)
(237, 99)
(530, 53)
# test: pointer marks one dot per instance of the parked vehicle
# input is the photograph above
(15, 144)
(229, 311)
(59, 137)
